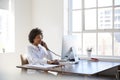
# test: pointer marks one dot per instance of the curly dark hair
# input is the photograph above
(33, 33)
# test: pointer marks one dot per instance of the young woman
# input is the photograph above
(38, 49)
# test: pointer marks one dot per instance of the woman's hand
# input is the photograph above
(44, 45)
(53, 62)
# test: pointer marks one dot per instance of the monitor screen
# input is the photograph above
(70, 41)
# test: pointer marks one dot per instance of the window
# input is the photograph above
(117, 44)
(6, 27)
(117, 2)
(90, 3)
(104, 3)
(89, 41)
(77, 22)
(104, 44)
(3, 28)
(105, 18)
(78, 43)
(117, 18)
(77, 4)
(98, 24)
(90, 24)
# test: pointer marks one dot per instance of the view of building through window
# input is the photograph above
(97, 22)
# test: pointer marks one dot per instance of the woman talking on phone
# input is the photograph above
(38, 52)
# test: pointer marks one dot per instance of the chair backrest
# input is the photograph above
(23, 60)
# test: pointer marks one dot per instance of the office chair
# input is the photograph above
(23, 62)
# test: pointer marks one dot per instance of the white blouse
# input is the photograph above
(36, 55)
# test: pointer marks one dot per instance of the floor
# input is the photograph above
(44, 76)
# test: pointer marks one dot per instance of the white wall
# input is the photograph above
(23, 24)
(48, 16)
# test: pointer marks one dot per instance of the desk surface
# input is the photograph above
(84, 67)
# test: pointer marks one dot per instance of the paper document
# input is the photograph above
(43, 65)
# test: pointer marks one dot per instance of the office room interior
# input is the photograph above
(90, 29)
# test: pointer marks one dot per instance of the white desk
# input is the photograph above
(84, 67)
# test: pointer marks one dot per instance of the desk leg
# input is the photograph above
(86, 77)
(59, 74)
(46, 72)
(118, 73)
(24, 70)
(117, 76)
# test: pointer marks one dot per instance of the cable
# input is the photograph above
(54, 53)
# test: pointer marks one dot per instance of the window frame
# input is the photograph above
(113, 30)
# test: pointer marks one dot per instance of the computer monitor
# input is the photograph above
(71, 45)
